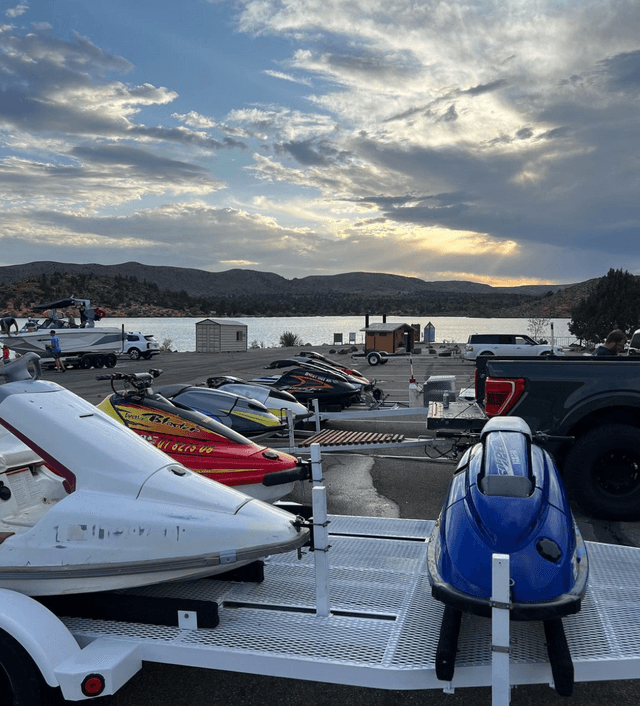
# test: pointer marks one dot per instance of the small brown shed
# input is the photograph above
(220, 336)
(388, 337)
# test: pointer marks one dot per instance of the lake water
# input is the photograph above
(319, 330)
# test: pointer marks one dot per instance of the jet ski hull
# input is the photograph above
(506, 497)
(207, 447)
(242, 414)
(87, 505)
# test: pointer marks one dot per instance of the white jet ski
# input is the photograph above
(88, 505)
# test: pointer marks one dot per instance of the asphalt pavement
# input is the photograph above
(400, 482)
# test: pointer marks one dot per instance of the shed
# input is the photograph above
(220, 336)
(388, 337)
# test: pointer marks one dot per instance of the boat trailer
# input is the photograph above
(362, 600)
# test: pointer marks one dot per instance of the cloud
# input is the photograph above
(496, 138)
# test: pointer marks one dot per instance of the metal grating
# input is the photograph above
(384, 627)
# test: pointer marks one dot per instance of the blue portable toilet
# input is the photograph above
(429, 333)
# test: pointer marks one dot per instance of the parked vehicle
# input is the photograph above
(138, 345)
(594, 400)
(480, 344)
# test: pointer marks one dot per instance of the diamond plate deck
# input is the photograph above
(384, 625)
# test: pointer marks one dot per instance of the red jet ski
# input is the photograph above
(199, 442)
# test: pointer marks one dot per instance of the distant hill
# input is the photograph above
(237, 282)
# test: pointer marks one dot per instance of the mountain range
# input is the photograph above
(238, 282)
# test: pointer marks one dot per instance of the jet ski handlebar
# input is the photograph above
(538, 436)
(134, 383)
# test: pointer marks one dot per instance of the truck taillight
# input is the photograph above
(501, 395)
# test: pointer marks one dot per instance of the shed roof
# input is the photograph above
(222, 322)
(385, 327)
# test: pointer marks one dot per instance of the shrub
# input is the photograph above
(288, 339)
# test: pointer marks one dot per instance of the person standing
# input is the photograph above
(614, 344)
(54, 347)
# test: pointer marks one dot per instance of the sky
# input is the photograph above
(495, 141)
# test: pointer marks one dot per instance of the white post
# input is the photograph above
(500, 579)
(316, 413)
(290, 425)
(320, 534)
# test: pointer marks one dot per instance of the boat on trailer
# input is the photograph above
(88, 346)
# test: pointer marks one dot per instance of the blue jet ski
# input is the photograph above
(506, 497)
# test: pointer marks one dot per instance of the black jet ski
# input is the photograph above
(506, 497)
(305, 383)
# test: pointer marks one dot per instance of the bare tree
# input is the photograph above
(537, 327)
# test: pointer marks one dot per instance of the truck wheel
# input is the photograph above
(20, 679)
(374, 358)
(602, 472)
(134, 354)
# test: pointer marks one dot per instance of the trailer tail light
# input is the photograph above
(501, 395)
(93, 685)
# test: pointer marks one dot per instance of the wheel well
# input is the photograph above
(609, 415)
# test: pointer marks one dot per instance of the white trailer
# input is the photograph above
(367, 616)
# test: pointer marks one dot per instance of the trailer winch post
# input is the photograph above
(320, 534)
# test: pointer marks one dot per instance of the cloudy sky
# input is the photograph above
(493, 140)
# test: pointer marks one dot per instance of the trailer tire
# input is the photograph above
(374, 358)
(86, 362)
(21, 679)
(602, 472)
(111, 360)
(98, 361)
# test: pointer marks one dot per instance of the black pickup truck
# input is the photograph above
(594, 400)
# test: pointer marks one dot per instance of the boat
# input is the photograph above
(242, 414)
(278, 402)
(506, 497)
(91, 346)
(88, 505)
(201, 443)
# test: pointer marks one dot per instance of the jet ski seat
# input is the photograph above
(506, 486)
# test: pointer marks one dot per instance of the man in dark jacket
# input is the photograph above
(614, 344)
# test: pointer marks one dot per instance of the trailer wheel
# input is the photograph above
(111, 360)
(20, 679)
(98, 361)
(86, 362)
(602, 472)
(374, 358)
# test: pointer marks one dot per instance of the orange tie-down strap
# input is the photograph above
(339, 437)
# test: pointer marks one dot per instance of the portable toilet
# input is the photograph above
(429, 333)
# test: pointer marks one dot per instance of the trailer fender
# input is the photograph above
(43, 635)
